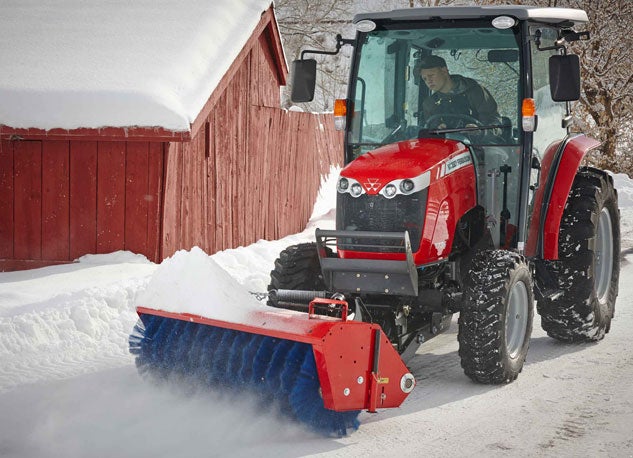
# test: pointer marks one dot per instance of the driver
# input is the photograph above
(456, 95)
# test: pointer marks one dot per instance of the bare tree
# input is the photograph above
(605, 109)
(306, 24)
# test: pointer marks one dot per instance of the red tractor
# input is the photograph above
(463, 190)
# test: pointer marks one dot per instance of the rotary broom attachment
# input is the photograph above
(319, 370)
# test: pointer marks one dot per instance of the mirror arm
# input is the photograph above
(340, 42)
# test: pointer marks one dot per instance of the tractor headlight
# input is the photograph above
(390, 190)
(406, 186)
(343, 184)
(356, 190)
(349, 186)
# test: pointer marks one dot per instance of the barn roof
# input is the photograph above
(117, 63)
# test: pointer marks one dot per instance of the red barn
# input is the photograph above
(149, 128)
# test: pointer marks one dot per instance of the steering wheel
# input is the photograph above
(460, 120)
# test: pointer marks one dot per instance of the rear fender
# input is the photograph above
(559, 166)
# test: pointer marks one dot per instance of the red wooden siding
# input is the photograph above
(55, 198)
(83, 198)
(6, 199)
(260, 184)
(143, 184)
(62, 199)
(27, 163)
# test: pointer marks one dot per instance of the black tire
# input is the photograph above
(584, 310)
(297, 268)
(496, 323)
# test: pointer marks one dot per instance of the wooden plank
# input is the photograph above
(6, 199)
(223, 178)
(110, 196)
(187, 195)
(157, 152)
(137, 198)
(28, 199)
(172, 207)
(194, 171)
(210, 197)
(83, 198)
(202, 147)
(55, 200)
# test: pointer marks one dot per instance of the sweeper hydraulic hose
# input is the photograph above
(320, 370)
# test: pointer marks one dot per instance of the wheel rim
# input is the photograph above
(516, 318)
(604, 256)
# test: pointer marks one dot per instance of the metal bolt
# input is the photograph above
(346, 392)
(360, 380)
(386, 277)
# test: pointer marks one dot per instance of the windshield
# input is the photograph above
(457, 82)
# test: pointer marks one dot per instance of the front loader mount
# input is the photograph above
(320, 370)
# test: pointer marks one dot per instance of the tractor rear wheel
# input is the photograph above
(496, 323)
(297, 268)
(588, 268)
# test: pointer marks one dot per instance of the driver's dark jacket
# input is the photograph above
(467, 98)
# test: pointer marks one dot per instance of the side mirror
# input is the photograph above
(564, 78)
(303, 80)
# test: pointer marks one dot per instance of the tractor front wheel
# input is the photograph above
(496, 323)
(297, 268)
(588, 268)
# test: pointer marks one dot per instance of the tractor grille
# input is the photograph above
(379, 214)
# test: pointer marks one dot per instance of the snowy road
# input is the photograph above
(570, 400)
(68, 387)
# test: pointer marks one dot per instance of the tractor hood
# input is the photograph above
(406, 160)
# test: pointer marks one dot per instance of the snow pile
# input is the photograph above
(66, 320)
(192, 282)
(113, 63)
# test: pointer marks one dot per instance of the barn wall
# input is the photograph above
(62, 199)
(253, 171)
(258, 185)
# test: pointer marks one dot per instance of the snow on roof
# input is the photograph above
(117, 63)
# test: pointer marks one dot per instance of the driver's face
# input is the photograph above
(437, 79)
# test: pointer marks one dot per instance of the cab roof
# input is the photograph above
(520, 12)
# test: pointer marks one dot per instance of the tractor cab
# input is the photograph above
(479, 76)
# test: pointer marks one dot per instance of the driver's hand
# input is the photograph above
(471, 125)
(441, 126)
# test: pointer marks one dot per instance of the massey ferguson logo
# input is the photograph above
(372, 184)
(457, 163)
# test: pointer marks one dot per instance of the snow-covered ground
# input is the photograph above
(68, 386)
